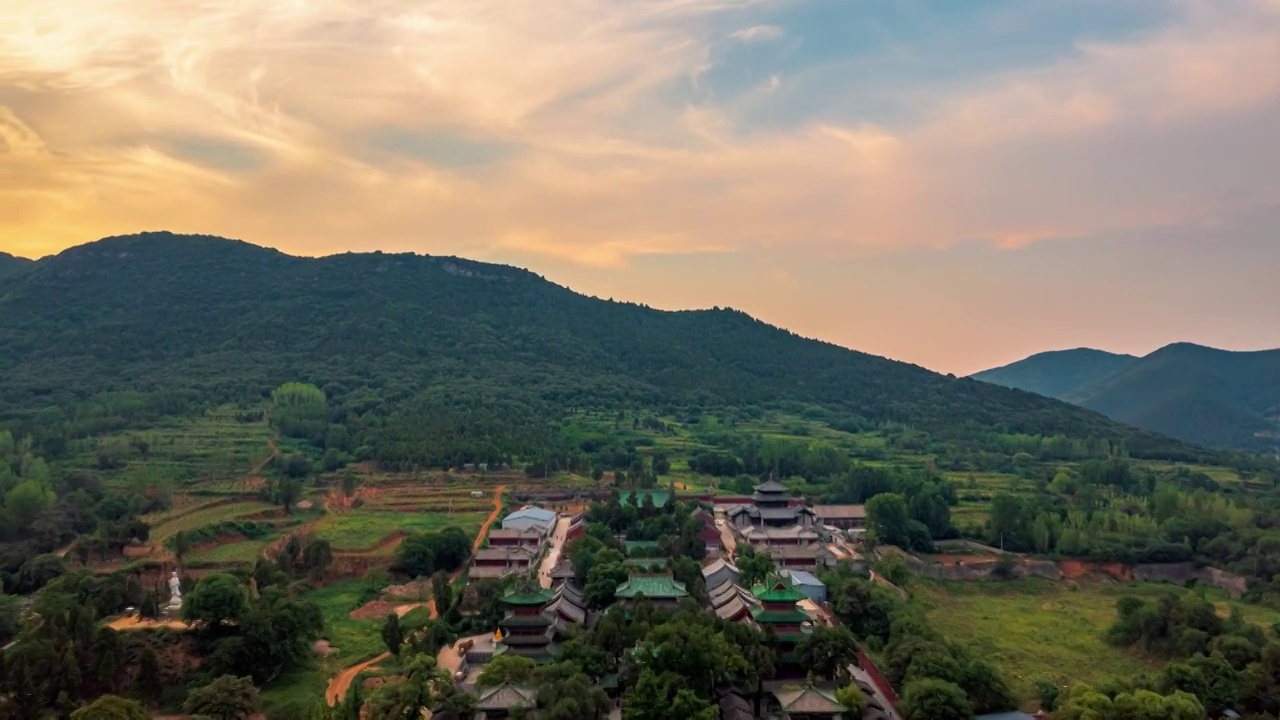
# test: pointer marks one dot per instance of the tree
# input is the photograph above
(218, 597)
(149, 681)
(10, 618)
(226, 698)
(1048, 694)
(349, 483)
(181, 544)
(513, 669)
(393, 634)
(754, 566)
(933, 699)
(111, 707)
(888, 518)
(852, 698)
(565, 693)
(828, 651)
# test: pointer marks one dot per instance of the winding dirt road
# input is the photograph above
(341, 682)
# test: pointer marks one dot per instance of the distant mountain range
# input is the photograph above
(1203, 395)
(225, 321)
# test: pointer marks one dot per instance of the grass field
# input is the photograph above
(1036, 628)
(240, 551)
(207, 516)
(362, 529)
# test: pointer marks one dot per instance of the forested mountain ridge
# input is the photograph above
(1202, 395)
(10, 265)
(1057, 373)
(196, 317)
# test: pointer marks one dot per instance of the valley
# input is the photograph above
(319, 458)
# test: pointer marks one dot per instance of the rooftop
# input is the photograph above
(800, 577)
(528, 597)
(515, 534)
(505, 697)
(807, 700)
(532, 512)
(651, 586)
(840, 511)
(778, 590)
(717, 566)
(771, 486)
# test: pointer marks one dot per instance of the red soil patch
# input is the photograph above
(1076, 569)
(374, 610)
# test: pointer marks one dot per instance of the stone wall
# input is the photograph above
(1182, 573)
(982, 568)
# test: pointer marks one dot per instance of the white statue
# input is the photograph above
(175, 591)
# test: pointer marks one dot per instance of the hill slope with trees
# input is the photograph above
(493, 349)
(1057, 373)
(10, 265)
(1202, 395)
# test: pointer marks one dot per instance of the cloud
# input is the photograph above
(759, 33)
(576, 131)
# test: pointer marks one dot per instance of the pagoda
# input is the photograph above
(771, 508)
(778, 614)
(527, 629)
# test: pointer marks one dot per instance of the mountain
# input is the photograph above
(1202, 395)
(11, 265)
(189, 318)
(1057, 373)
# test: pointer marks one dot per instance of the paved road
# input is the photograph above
(727, 540)
(553, 553)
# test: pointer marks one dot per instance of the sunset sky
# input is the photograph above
(955, 183)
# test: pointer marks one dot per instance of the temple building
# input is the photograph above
(527, 629)
(504, 701)
(770, 508)
(496, 562)
(778, 613)
(731, 602)
(658, 588)
(808, 703)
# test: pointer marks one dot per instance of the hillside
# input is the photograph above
(10, 265)
(202, 319)
(1198, 394)
(1057, 373)
(1203, 395)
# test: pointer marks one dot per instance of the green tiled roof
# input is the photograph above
(634, 545)
(778, 590)
(538, 597)
(763, 615)
(651, 586)
(526, 621)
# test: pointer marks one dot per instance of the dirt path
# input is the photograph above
(341, 682)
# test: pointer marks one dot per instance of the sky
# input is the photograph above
(957, 184)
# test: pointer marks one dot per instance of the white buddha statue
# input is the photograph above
(175, 591)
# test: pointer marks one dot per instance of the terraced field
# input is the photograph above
(213, 513)
(181, 452)
(364, 530)
(246, 551)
